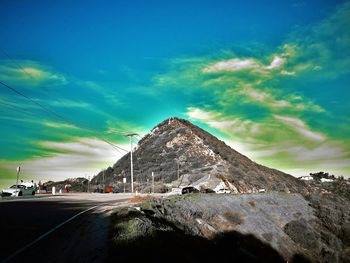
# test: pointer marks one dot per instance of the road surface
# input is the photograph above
(67, 228)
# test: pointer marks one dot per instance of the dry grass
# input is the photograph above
(252, 203)
(139, 198)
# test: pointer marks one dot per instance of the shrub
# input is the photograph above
(234, 217)
(252, 203)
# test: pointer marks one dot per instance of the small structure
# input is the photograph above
(306, 178)
(325, 180)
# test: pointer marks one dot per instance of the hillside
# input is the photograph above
(203, 161)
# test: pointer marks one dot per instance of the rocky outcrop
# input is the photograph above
(249, 228)
(270, 227)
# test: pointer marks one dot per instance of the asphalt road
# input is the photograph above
(82, 239)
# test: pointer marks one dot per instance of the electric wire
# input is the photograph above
(58, 116)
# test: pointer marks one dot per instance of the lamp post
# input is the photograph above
(89, 184)
(18, 171)
(152, 182)
(130, 135)
(104, 183)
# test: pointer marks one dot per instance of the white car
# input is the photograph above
(21, 189)
(223, 191)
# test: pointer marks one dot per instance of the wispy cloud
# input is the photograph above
(74, 159)
(237, 64)
(234, 64)
(29, 73)
(233, 127)
(277, 62)
(266, 99)
(59, 125)
(64, 103)
(300, 127)
(199, 114)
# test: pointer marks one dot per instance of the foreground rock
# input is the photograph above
(274, 227)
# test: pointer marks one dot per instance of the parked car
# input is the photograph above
(189, 189)
(19, 190)
(207, 191)
(223, 191)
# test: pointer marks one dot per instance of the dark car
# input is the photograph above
(207, 191)
(189, 189)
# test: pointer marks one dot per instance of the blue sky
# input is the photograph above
(268, 77)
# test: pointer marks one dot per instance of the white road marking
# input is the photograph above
(44, 235)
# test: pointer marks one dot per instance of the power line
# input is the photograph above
(12, 107)
(17, 64)
(58, 116)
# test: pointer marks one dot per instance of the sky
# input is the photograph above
(270, 78)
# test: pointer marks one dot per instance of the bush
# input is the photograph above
(234, 217)
(252, 203)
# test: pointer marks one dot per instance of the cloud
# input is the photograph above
(255, 94)
(277, 62)
(59, 125)
(29, 73)
(237, 64)
(198, 114)
(300, 127)
(289, 73)
(234, 64)
(63, 103)
(83, 157)
(324, 152)
(266, 99)
(228, 125)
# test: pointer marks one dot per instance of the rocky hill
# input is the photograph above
(176, 146)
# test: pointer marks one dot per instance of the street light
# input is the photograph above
(130, 135)
(18, 171)
(104, 182)
(89, 184)
(152, 182)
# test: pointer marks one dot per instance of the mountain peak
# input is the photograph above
(171, 122)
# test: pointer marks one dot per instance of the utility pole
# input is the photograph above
(18, 170)
(152, 182)
(88, 184)
(178, 171)
(130, 135)
(104, 183)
